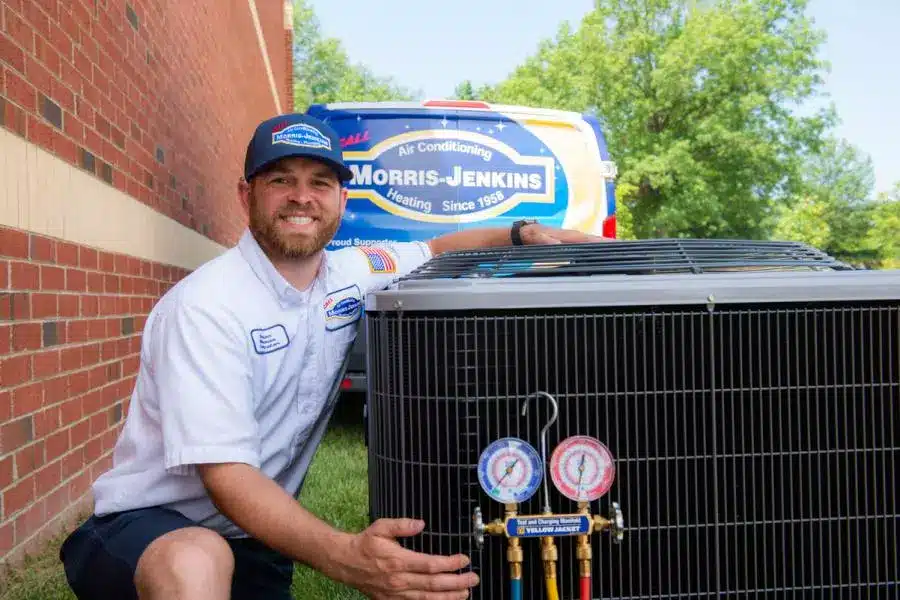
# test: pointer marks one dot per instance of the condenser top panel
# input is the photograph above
(633, 273)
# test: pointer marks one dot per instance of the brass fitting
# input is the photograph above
(495, 528)
(514, 552)
(584, 568)
(583, 549)
(549, 569)
(548, 550)
(601, 523)
(514, 556)
(583, 553)
(615, 523)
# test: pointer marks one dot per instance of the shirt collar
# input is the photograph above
(274, 281)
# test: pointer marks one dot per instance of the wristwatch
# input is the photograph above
(515, 231)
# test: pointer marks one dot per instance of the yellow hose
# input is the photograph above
(552, 593)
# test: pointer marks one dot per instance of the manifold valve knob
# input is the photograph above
(478, 528)
(617, 523)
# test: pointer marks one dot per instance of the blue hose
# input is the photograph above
(515, 589)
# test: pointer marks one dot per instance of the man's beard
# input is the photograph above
(288, 246)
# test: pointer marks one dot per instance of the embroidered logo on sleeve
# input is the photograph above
(380, 260)
(342, 307)
(270, 339)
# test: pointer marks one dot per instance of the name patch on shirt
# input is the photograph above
(270, 339)
(381, 260)
(342, 307)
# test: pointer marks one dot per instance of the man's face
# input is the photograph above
(295, 207)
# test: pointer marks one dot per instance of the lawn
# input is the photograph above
(336, 490)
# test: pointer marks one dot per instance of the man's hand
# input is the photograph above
(536, 234)
(374, 563)
(371, 561)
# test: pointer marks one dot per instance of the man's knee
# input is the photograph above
(193, 560)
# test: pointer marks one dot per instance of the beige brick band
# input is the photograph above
(41, 193)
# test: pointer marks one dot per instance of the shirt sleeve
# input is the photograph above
(203, 383)
(376, 267)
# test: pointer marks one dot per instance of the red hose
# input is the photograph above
(585, 588)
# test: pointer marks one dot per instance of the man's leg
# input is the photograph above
(260, 572)
(188, 563)
(147, 553)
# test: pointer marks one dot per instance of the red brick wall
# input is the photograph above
(70, 324)
(187, 82)
(153, 97)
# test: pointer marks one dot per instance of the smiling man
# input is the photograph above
(238, 362)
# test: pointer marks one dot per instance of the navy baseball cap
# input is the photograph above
(294, 135)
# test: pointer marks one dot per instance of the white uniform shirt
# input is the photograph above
(237, 366)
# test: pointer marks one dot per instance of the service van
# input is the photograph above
(423, 169)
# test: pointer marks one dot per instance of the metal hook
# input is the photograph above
(544, 440)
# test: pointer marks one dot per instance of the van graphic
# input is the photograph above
(423, 169)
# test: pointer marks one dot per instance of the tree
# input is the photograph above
(698, 102)
(467, 91)
(323, 71)
(834, 212)
(843, 180)
(805, 221)
(464, 91)
(884, 236)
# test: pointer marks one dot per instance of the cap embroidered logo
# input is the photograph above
(302, 136)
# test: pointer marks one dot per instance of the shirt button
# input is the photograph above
(306, 408)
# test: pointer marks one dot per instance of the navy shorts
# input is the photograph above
(101, 556)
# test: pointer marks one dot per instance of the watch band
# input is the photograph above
(515, 232)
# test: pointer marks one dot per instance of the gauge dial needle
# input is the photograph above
(580, 472)
(509, 469)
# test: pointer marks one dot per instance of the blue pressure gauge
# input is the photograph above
(510, 470)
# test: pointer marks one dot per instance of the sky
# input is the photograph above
(420, 43)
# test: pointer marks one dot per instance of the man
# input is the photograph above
(237, 362)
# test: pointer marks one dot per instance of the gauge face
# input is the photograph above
(582, 468)
(510, 470)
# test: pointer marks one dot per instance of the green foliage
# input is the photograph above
(805, 221)
(705, 105)
(698, 102)
(834, 212)
(323, 71)
(884, 236)
(465, 91)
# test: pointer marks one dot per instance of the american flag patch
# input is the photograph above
(380, 260)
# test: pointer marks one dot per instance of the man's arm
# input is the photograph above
(501, 236)
(371, 561)
(204, 384)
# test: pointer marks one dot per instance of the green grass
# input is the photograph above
(336, 490)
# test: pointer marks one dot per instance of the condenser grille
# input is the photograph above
(757, 449)
(626, 257)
